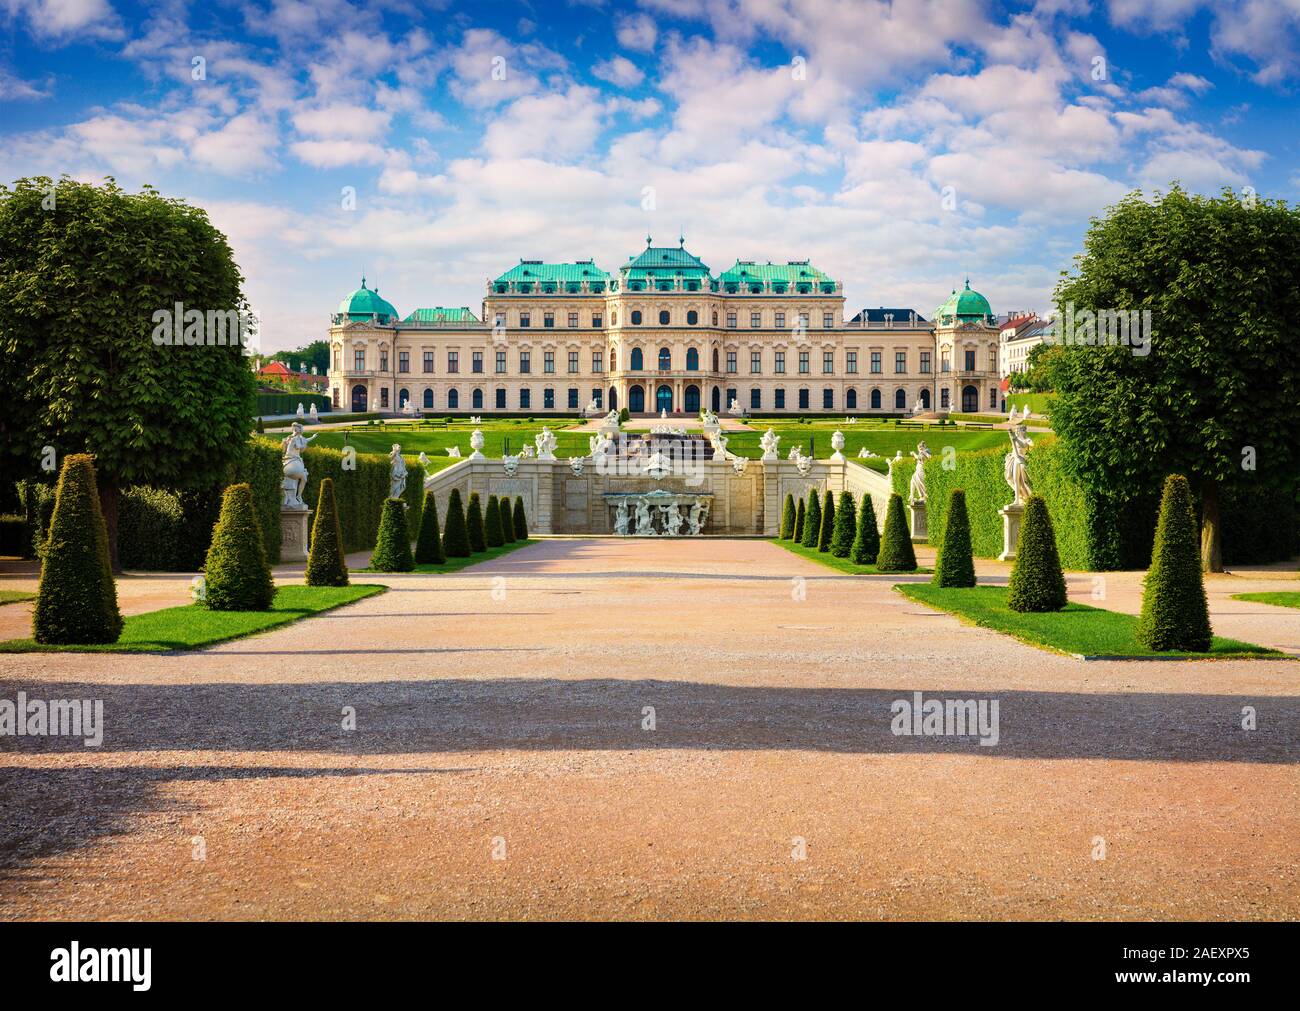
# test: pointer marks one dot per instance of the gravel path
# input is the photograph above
(499, 713)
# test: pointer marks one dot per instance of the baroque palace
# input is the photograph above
(663, 334)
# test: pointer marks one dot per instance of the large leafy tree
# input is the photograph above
(1218, 395)
(315, 353)
(83, 271)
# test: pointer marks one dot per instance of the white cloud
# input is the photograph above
(619, 71)
(342, 120)
(327, 154)
(245, 144)
(15, 89)
(67, 20)
(636, 32)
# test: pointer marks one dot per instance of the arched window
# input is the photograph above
(692, 318)
(453, 400)
(637, 360)
(875, 400)
(850, 400)
(636, 317)
(925, 399)
(692, 399)
(663, 317)
(403, 398)
(692, 360)
(665, 359)
(636, 399)
(900, 399)
(715, 359)
(428, 399)
(476, 399)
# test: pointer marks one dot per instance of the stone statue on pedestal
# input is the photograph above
(916, 490)
(643, 517)
(837, 444)
(770, 441)
(620, 519)
(295, 471)
(476, 444)
(1014, 466)
(396, 472)
(546, 442)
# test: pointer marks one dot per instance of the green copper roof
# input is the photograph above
(793, 272)
(365, 303)
(535, 271)
(964, 305)
(665, 261)
(441, 314)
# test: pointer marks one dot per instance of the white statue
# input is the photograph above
(695, 520)
(476, 444)
(295, 471)
(643, 517)
(311, 414)
(708, 419)
(804, 464)
(769, 442)
(837, 444)
(865, 454)
(620, 519)
(575, 465)
(610, 421)
(453, 452)
(546, 441)
(663, 414)
(1014, 466)
(396, 472)
(720, 446)
(733, 408)
(475, 421)
(739, 463)
(668, 518)
(424, 461)
(599, 444)
(511, 464)
(301, 412)
(374, 405)
(526, 451)
(793, 454)
(592, 409)
(916, 490)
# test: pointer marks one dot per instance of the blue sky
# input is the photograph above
(898, 146)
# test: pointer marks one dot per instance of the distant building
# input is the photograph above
(280, 374)
(1017, 337)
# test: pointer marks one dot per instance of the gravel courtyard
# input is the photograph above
(501, 765)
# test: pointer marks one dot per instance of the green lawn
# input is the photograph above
(15, 596)
(830, 561)
(193, 627)
(883, 440)
(1039, 403)
(436, 440)
(1079, 629)
(456, 564)
(1282, 598)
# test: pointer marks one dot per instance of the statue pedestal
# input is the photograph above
(1011, 516)
(294, 527)
(919, 529)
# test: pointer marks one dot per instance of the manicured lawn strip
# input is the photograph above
(841, 564)
(456, 564)
(1281, 598)
(193, 627)
(1079, 629)
(15, 596)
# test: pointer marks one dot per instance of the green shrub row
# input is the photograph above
(287, 403)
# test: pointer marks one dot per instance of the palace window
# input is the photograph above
(692, 318)
(828, 398)
(597, 395)
(875, 361)
(548, 319)
(403, 361)
(970, 361)
(525, 320)
(900, 399)
(525, 362)
(828, 320)
(875, 400)
(731, 320)
(428, 399)
(715, 317)
(756, 361)
(943, 398)
(780, 321)
(803, 321)
(851, 362)
(925, 362)
(428, 361)
(596, 319)
(525, 398)
(501, 398)
(780, 363)
(715, 359)
(597, 362)
(731, 361)
(476, 362)
(636, 317)
(548, 399)
(359, 359)
(548, 361)
(476, 399)
(780, 398)
(663, 317)
(638, 360)
(993, 396)
(945, 365)
(755, 320)
(803, 400)
(755, 399)
(900, 361)
(383, 361)
(573, 361)
(692, 360)
(338, 363)
(851, 399)
(804, 367)
(501, 362)
(828, 362)
(573, 320)
(665, 360)
(573, 398)
(453, 400)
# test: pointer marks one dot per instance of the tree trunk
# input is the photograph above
(1211, 529)
(108, 506)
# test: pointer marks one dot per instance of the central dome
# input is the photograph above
(965, 306)
(365, 303)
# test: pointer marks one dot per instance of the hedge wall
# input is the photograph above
(287, 403)
(360, 493)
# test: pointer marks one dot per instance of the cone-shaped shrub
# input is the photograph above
(326, 565)
(1037, 583)
(866, 543)
(787, 518)
(455, 538)
(827, 532)
(492, 523)
(521, 521)
(955, 565)
(812, 521)
(474, 524)
(236, 574)
(76, 602)
(799, 520)
(428, 544)
(896, 552)
(507, 524)
(1174, 612)
(845, 523)
(393, 542)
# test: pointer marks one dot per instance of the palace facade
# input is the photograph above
(663, 332)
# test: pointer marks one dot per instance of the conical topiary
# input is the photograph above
(812, 521)
(76, 601)
(787, 518)
(236, 574)
(521, 521)
(393, 543)
(827, 532)
(845, 523)
(1037, 582)
(326, 565)
(866, 542)
(492, 523)
(896, 551)
(428, 543)
(474, 523)
(799, 518)
(955, 566)
(455, 537)
(1174, 611)
(507, 524)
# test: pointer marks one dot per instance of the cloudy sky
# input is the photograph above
(899, 146)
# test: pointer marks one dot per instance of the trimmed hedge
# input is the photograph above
(492, 523)
(1175, 614)
(827, 532)
(15, 536)
(455, 538)
(521, 520)
(474, 524)
(326, 565)
(866, 541)
(150, 530)
(786, 530)
(393, 548)
(1037, 582)
(955, 566)
(896, 551)
(237, 576)
(812, 521)
(428, 544)
(76, 601)
(507, 522)
(846, 522)
(287, 403)
(799, 517)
